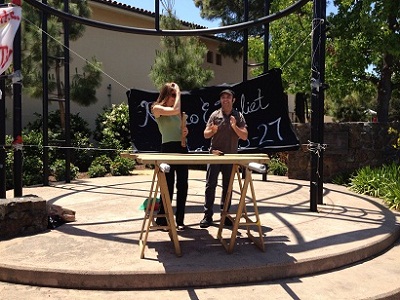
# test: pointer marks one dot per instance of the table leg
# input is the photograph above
(159, 183)
(241, 213)
(149, 212)
(169, 214)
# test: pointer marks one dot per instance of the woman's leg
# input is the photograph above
(182, 173)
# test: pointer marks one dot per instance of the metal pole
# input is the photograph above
(3, 187)
(266, 51)
(157, 16)
(67, 98)
(267, 6)
(17, 113)
(245, 41)
(317, 102)
(45, 105)
(321, 57)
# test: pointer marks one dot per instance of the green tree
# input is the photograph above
(181, 58)
(362, 52)
(83, 85)
(364, 48)
(289, 41)
(352, 108)
(231, 12)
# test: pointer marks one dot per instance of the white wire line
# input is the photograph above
(313, 68)
(295, 51)
(77, 54)
(321, 21)
(21, 146)
(316, 148)
(301, 44)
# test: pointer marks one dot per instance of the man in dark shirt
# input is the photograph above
(225, 127)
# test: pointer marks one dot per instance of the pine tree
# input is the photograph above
(83, 86)
(180, 58)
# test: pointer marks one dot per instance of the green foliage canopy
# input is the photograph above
(83, 94)
(362, 47)
(180, 59)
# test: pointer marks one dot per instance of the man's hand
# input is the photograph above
(232, 121)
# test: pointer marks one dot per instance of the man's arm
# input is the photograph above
(241, 132)
(210, 131)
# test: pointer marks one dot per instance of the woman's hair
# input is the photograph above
(167, 90)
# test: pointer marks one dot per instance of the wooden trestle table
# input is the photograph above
(161, 162)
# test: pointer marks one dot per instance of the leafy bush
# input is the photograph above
(277, 167)
(9, 165)
(82, 155)
(382, 182)
(32, 163)
(103, 160)
(58, 170)
(80, 135)
(342, 179)
(122, 166)
(100, 166)
(33, 170)
(97, 171)
(113, 129)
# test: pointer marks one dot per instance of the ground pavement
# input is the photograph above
(349, 249)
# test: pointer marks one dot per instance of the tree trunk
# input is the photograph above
(385, 88)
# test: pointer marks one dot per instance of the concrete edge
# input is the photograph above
(87, 279)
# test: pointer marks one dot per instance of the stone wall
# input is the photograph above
(22, 216)
(349, 146)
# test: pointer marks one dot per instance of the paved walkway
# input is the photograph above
(100, 252)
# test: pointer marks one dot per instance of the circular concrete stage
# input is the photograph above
(100, 249)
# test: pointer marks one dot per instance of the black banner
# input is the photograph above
(261, 100)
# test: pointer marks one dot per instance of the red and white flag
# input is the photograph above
(10, 18)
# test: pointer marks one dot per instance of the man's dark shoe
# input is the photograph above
(228, 222)
(206, 222)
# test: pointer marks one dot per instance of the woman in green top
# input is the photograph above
(167, 112)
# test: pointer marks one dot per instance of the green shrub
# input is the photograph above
(32, 160)
(276, 167)
(342, 179)
(100, 166)
(33, 171)
(9, 165)
(382, 182)
(113, 129)
(82, 155)
(103, 160)
(122, 166)
(58, 170)
(97, 171)
(80, 135)
(366, 181)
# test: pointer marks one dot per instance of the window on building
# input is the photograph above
(219, 59)
(210, 57)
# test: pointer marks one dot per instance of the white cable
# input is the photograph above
(78, 55)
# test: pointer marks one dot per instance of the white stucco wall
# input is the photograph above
(126, 62)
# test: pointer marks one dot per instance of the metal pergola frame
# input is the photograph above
(317, 80)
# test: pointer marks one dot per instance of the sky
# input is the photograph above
(185, 10)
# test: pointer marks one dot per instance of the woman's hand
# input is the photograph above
(185, 131)
(176, 86)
